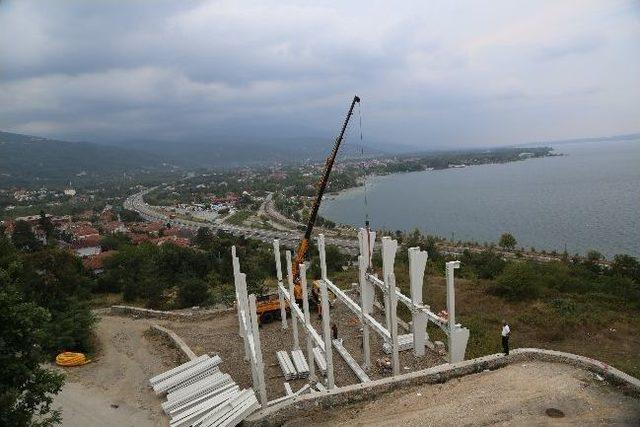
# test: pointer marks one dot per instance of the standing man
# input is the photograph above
(506, 331)
(334, 331)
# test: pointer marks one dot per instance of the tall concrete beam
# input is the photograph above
(365, 294)
(294, 319)
(323, 257)
(255, 331)
(307, 319)
(393, 304)
(451, 293)
(326, 328)
(389, 249)
(283, 307)
(367, 239)
(417, 265)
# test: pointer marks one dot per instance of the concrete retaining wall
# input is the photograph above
(176, 340)
(169, 315)
(300, 406)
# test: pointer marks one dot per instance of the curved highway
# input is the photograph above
(136, 203)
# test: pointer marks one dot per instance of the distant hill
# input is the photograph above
(226, 151)
(29, 160)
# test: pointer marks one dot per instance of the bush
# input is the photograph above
(193, 291)
(518, 281)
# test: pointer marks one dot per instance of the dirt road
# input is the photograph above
(112, 390)
(514, 395)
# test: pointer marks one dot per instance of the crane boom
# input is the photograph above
(303, 247)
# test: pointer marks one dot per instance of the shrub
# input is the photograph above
(517, 281)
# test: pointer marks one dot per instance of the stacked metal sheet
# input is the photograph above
(300, 363)
(288, 369)
(198, 394)
(320, 360)
(405, 342)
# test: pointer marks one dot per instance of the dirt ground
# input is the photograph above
(220, 336)
(113, 389)
(514, 395)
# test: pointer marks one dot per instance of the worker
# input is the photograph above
(334, 331)
(506, 331)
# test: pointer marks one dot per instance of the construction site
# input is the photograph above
(319, 351)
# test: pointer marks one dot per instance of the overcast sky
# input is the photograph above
(431, 73)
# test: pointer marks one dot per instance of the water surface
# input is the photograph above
(587, 199)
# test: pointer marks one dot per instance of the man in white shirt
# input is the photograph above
(506, 331)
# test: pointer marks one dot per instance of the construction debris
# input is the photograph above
(321, 363)
(198, 394)
(286, 365)
(405, 342)
(300, 363)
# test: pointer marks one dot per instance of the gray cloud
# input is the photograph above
(430, 74)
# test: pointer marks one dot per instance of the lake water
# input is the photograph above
(587, 199)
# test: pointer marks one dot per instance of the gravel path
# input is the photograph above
(513, 395)
(113, 389)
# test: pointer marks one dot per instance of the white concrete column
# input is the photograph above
(417, 265)
(292, 301)
(255, 331)
(236, 270)
(326, 329)
(244, 308)
(366, 240)
(307, 320)
(393, 303)
(389, 248)
(364, 297)
(451, 293)
(283, 306)
(323, 257)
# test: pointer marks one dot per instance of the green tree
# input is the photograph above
(46, 225)
(23, 237)
(114, 241)
(203, 237)
(626, 266)
(26, 387)
(507, 241)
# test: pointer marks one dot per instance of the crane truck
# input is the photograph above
(268, 307)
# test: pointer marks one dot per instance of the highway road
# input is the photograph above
(136, 203)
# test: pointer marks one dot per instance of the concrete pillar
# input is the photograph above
(307, 320)
(458, 336)
(255, 331)
(365, 295)
(451, 293)
(294, 317)
(389, 248)
(323, 257)
(283, 306)
(393, 303)
(236, 270)
(241, 294)
(326, 329)
(417, 264)
(366, 240)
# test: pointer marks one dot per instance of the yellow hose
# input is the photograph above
(69, 358)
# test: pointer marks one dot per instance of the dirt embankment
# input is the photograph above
(113, 389)
(513, 395)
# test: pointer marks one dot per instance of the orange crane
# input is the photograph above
(269, 307)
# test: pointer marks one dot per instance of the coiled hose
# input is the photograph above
(69, 358)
